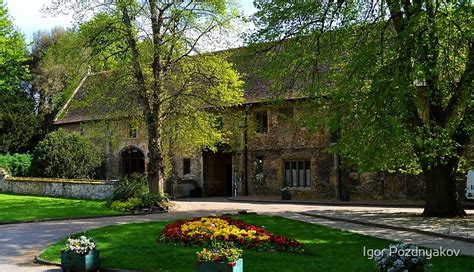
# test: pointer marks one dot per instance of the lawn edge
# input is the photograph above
(72, 218)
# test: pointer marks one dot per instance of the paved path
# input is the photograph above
(19, 243)
(463, 228)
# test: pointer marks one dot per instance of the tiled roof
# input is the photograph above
(256, 90)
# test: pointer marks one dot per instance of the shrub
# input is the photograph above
(16, 164)
(66, 155)
(126, 206)
(134, 190)
(130, 186)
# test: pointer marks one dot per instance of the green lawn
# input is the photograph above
(17, 208)
(134, 246)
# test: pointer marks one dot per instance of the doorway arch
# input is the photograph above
(133, 161)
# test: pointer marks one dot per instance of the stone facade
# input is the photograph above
(255, 163)
(86, 189)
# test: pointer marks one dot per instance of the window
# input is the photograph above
(259, 165)
(132, 132)
(298, 173)
(186, 166)
(261, 122)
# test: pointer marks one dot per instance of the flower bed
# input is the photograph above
(202, 230)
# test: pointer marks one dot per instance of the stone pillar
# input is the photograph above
(3, 177)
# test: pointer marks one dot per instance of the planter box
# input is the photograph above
(237, 266)
(71, 261)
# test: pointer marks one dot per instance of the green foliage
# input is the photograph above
(66, 155)
(128, 205)
(398, 92)
(16, 164)
(18, 123)
(132, 193)
(130, 186)
(13, 55)
(149, 52)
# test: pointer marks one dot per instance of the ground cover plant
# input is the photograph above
(18, 208)
(134, 246)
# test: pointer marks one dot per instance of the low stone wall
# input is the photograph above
(77, 188)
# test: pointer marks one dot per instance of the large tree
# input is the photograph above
(151, 48)
(18, 121)
(393, 77)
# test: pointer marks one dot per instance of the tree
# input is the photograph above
(151, 47)
(18, 121)
(396, 78)
(50, 72)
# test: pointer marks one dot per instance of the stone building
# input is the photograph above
(270, 155)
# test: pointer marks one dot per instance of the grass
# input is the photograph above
(134, 246)
(20, 208)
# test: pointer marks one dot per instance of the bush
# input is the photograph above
(16, 164)
(130, 186)
(126, 206)
(132, 194)
(66, 155)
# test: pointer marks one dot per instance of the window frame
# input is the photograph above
(297, 173)
(261, 123)
(186, 166)
(132, 132)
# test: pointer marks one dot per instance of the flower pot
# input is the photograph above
(237, 266)
(72, 261)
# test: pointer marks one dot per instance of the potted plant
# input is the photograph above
(80, 254)
(395, 259)
(221, 257)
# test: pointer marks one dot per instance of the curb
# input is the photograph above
(82, 217)
(40, 261)
(377, 225)
(349, 203)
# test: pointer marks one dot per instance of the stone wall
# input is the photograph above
(87, 189)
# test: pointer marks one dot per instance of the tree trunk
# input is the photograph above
(441, 194)
(155, 167)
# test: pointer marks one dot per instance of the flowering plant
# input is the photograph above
(82, 245)
(201, 230)
(219, 252)
(401, 257)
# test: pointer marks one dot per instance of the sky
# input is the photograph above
(27, 16)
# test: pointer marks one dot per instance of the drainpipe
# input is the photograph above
(246, 180)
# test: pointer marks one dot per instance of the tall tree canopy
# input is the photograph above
(57, 66)
(151, 49)
(18, 121)
(398, 76)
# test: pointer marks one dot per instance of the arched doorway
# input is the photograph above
(133, 161)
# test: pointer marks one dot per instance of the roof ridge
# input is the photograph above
(89, 73)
